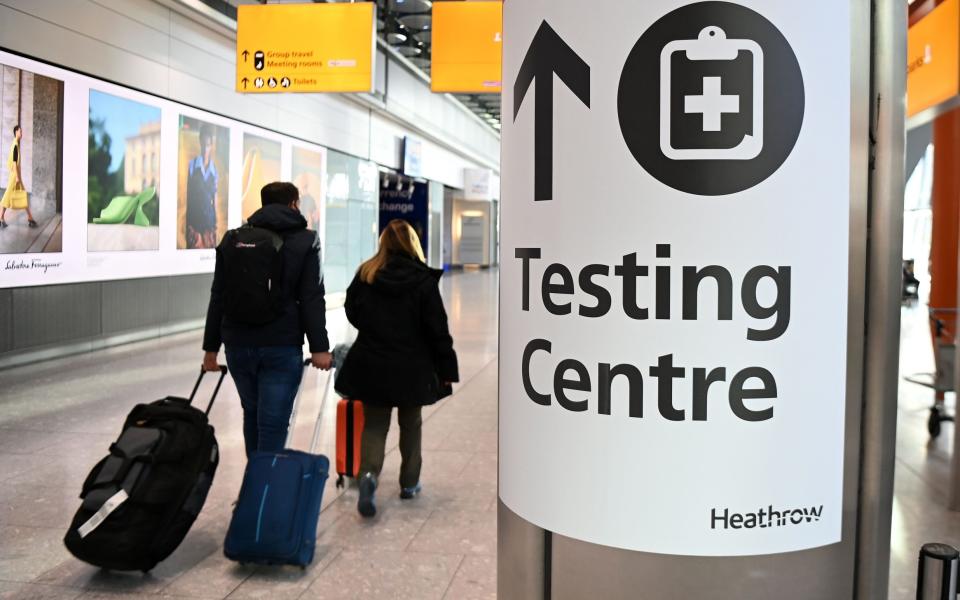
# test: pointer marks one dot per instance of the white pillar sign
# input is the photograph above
(676, 199)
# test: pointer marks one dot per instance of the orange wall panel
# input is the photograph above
(467, 47)
(933, 58)
(946, 214)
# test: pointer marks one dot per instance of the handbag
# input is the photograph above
(17, 196)
(444, 391)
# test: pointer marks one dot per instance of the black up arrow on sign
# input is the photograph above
(548, 54)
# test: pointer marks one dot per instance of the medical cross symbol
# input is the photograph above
(712, 104)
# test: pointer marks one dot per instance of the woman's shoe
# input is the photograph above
(411, 492)
(3, 224)
(118, 211)
(366, 505)
(145, 197)
(32, 224)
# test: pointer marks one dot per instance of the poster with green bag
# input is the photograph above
(123, 175)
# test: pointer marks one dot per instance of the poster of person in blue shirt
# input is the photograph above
(202, 190)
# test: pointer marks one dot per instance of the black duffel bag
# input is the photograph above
(140, 501)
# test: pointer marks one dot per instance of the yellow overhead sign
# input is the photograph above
(467, 47)
(306, 47)
(933, 58)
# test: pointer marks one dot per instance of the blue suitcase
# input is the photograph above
(275, 519)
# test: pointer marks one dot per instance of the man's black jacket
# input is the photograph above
(303, 304)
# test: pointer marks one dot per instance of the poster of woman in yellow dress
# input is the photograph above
(15, 196)
(31, 181)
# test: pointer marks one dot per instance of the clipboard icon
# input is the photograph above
(711, 45)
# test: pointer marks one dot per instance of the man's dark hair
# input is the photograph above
(206, 132)
(16, 128)
(279, 192)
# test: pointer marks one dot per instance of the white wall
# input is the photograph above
(146, 45)
(410, 98)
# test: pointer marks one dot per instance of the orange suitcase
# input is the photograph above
(349, 432)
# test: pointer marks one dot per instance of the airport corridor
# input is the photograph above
(59, 417)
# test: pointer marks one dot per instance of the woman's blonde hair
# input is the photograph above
(397, 238)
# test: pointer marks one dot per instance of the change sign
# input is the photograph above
(676, 197)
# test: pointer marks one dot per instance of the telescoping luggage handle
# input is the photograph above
(315, 441)
(216, 390)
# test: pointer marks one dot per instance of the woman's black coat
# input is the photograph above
(404, 350)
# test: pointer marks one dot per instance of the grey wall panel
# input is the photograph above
(219, 70)
(111, 25)
(151, 14)
(188, 296)
(133, 304)
(917, 141)
(60, 320)
(204, 39)
(55, 314)
(6, 320)
(25, 33)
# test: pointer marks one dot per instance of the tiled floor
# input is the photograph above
(57, 418)
(923, 465)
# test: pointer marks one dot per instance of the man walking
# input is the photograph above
(267, 293)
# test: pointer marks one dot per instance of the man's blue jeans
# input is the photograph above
(267, 380)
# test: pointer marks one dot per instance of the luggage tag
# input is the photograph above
(112, 504)
(711, 45)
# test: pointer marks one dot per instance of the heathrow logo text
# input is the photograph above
(764, 518)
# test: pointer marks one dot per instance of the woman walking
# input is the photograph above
(403, 356)
(15, 196)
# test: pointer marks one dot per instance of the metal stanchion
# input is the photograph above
(937, 578)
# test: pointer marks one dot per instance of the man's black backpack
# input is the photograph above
(253, 274)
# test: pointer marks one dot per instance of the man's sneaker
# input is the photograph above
(411, 492)
(366, 505)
